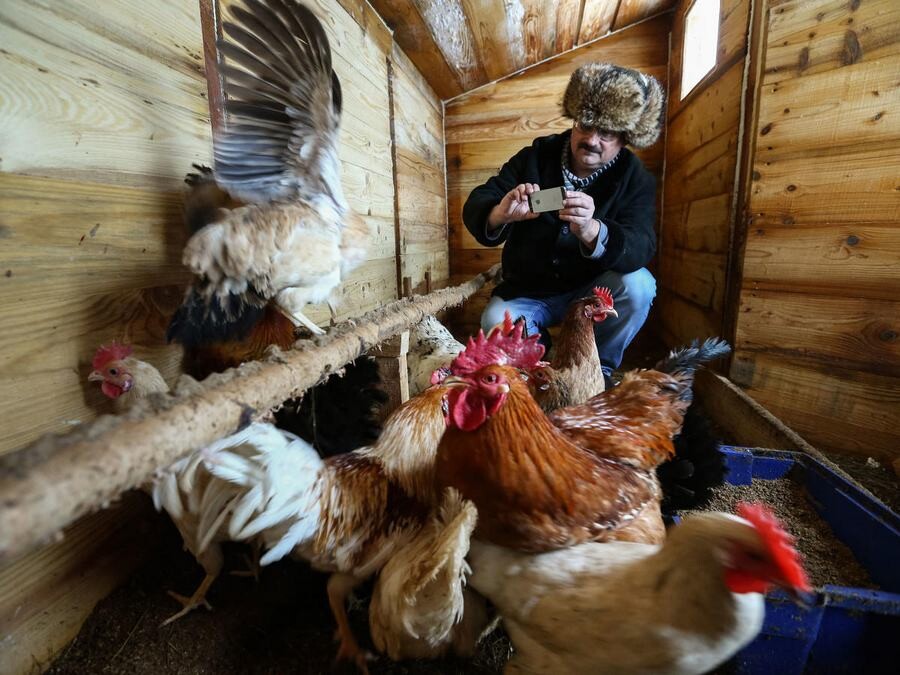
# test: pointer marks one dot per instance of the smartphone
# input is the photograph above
(550, 199)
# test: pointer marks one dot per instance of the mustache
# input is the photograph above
(590, 148)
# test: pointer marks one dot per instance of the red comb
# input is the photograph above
(114, 352)
(504, 346)
(779, 543)
(605, 295)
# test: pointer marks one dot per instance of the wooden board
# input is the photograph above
(421, 192)
(46, 595)
(413, 35)
(817, 328)
(830, 406)
(856, 333)
(856, 260)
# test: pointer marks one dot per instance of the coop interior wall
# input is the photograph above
(100, 123)
(699, 204)
(818, 320)
(103, 111)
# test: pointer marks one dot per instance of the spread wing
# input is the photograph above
(283, 104)
(633, 422)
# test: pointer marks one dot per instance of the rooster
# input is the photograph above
(583, 472)
(295, 238)
(349, 514)
(679, 609)
(196, 502)
(574, 376)
(419, 601)
(538, 487)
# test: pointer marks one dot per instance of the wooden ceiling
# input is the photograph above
(461, 44)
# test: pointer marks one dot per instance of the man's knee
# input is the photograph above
(638, 289)
(493, 313)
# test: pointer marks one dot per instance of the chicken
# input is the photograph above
(295, 238)
(350, 514)
(197, 502)
(576, 362)
(417, 605)
(431, 346)
(537, 487)
(679, 609)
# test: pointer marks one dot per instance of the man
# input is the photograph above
(604, 234)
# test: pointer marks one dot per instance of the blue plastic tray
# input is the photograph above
(847, 630)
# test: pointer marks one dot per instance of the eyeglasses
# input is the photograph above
(605, 135)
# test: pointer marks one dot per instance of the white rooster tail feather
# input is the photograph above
(279, 474)
(166, 495)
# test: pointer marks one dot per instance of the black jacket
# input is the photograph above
(539, 259)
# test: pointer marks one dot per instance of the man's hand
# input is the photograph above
(578, 211)
(513, 207)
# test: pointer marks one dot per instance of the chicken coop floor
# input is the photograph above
(280, 624)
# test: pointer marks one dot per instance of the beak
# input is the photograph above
(95, 376)
(612, 312)
(454, 381)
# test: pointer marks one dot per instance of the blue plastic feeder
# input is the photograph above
(847, 630)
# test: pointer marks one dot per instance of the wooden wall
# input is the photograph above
(818, 331)
(487, 126)
(702, 143)
(421, 211)
(102, 111)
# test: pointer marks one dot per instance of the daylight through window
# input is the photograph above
(701, 38)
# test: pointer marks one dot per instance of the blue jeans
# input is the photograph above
(633, 294)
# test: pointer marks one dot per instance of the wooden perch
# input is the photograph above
(49, 484)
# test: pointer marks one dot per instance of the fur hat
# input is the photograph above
(620, 99)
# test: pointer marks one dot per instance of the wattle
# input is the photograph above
(741, 582)
(468, 411)
(111, 390)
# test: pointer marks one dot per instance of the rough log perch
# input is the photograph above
(49, 484)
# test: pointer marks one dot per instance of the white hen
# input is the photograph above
(431, 346)
(622, 607)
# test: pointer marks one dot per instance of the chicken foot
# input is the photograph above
(196, 600)
(339, 588)
(212, 561)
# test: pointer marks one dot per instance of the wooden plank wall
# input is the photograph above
(487, 126)
(422, 247)
(98, 126)
(818, 331)
(102, 111)
(702, 145)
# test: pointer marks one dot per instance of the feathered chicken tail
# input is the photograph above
(200, 322)
(698, 466)
(418, 601)
(683, 362)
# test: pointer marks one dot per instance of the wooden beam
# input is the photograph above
(49, 484)
(215, 83)
(390, 356)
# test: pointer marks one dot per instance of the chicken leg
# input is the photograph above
(212, 562)
(300, 319)
(339, 587)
